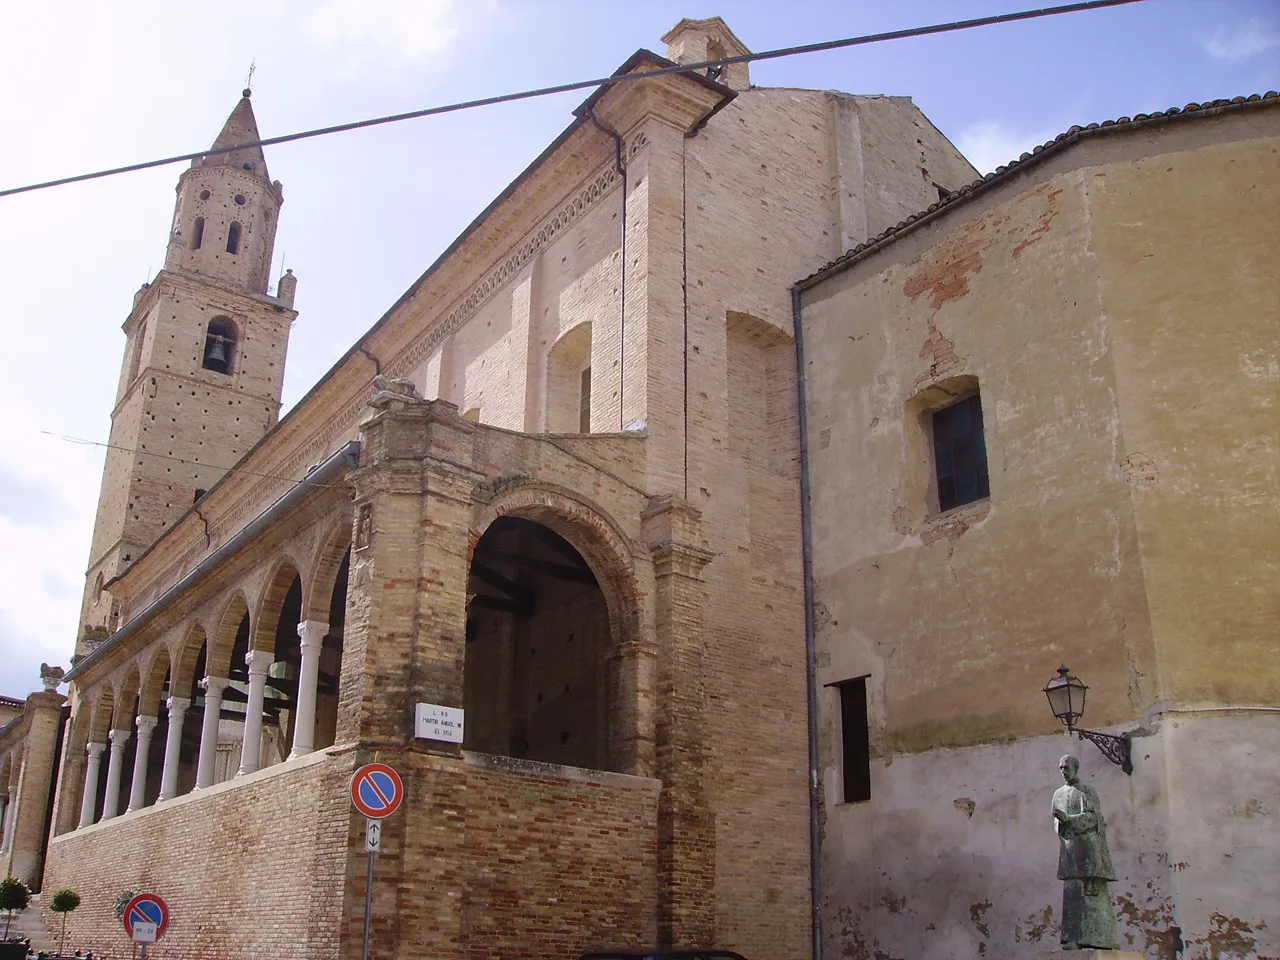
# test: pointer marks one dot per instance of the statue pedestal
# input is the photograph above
(1090, 955)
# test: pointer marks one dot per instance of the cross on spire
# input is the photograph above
(248, 81)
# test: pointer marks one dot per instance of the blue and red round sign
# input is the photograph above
(376, 790)
(147, 908)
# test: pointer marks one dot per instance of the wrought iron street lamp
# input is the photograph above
(1066, 699)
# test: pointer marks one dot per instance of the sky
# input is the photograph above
(89, 85)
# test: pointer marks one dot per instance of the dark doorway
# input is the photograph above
(537, 642)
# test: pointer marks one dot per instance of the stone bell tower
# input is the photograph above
(203, 363)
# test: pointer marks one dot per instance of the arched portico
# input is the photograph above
(558, 666)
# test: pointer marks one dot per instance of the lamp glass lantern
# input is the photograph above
(1066, 697)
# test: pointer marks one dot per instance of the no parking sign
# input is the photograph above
(146, 918)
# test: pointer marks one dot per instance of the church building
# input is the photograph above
(554, 487)
(695, 603)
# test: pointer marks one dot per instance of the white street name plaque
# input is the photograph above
(434, 722)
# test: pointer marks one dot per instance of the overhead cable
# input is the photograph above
(702, 66)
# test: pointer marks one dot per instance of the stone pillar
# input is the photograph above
(115, 763)
(29, 803)
(258, 662)
(141, 756)
(408, 569)
(90, 799)
(4, 822)
(686, 825)
(173, 747)
(311, 633)
(213, 687)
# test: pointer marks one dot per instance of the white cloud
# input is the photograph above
(992, 143)
(363, 31)
(49, 488)
(1238, 41)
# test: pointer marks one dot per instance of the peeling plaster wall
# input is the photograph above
(1117, 306)
(955, 855)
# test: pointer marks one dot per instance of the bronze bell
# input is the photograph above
(215, 354)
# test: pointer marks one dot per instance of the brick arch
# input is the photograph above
(103, 707)
(185, 658)
(612, 557)
(262, 632)
(126, 695)
(8, 766)
(317, 589)
(154, 674)
(223, 639)
(589, 528)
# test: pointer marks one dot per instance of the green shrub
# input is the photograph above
(63, 902)
(14, 895)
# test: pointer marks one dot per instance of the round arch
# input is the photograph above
(154, 674)
(104, 701)
(185, 660)
(223, 640)
(126, 699)
(317, 590)
(263, 631)
(628, 653)
(590, 530)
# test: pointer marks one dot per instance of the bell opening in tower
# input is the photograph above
(219, 345)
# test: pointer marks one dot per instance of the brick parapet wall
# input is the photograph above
(260, 859)
(492, 856)
(488, 856)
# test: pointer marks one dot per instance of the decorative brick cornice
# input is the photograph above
(535, 241)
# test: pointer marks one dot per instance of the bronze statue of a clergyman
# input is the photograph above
(1084, 864)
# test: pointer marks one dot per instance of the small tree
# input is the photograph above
(63, 902)
(14, 895)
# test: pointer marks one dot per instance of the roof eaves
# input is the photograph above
(1004, 173)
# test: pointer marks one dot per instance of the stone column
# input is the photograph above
(311, 633)
(111, 799)
(29, 803)
(141, 756)
(173, 747)
(91, 767)
(213, 687)
(686, 824)
(4, 822)
(258, 662)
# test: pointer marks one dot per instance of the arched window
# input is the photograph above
(136, 360)
(233, 239)
(568, 397)
(219, 345)
(197, 234)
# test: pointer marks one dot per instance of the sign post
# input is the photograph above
(145, 919)
(376, 791)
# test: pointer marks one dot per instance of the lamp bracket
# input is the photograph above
(1116, 749)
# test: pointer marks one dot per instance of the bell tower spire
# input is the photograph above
(224, 222)
(203, 363)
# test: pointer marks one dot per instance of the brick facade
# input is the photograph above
(653, 241)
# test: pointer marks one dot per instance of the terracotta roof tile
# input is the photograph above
(1075, 133)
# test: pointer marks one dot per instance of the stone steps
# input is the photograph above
(28, 924)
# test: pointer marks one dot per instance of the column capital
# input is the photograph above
(259, 661)
(94, 750)
(312, 632)
(178, 705)
(213, 686)
(119, 738)
(146, 725)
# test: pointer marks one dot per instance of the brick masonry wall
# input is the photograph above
(251, 868)
(510, 858)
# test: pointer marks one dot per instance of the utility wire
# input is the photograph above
(196, 463)
(583, 84)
